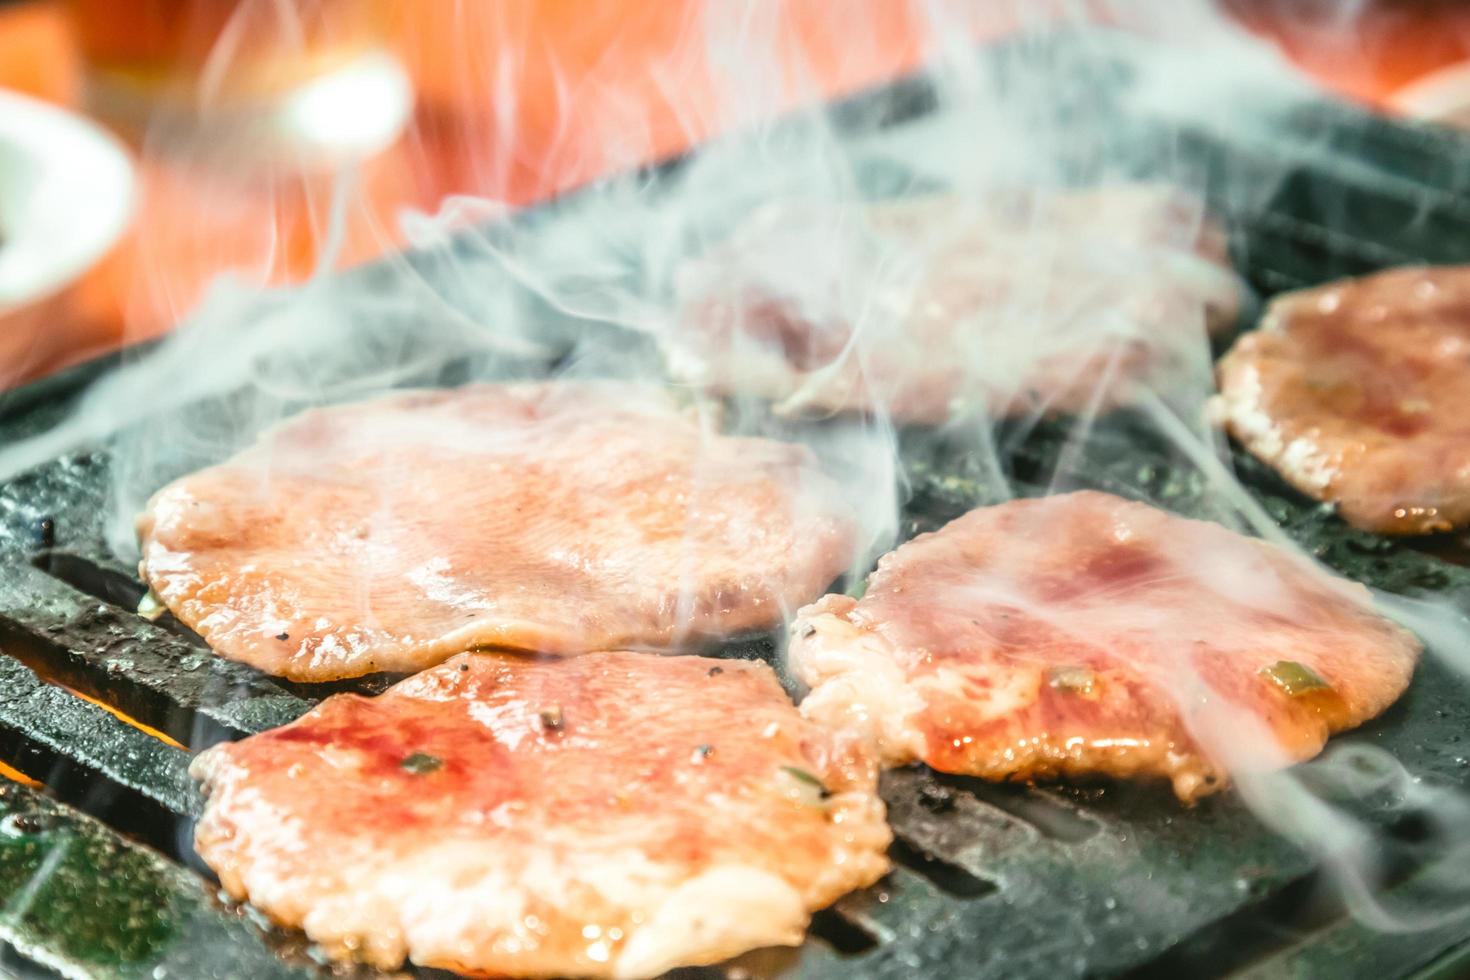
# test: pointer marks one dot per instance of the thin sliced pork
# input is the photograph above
(1358, 393)
(1085, 634)
(389, 535)
(930, 307)
(612, 815)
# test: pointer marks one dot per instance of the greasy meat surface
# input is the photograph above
(1359, 394)
(388, 535)
(930, 307)
(616, 814)
(1083, 633)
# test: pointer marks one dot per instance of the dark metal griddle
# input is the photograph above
(96, 878)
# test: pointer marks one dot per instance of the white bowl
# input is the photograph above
(67, 192)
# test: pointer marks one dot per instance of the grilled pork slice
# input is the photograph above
(1083, 633)
(1358, 393)
(391, 534)
(612, 815)
(928, 307)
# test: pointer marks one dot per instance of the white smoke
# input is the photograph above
(590, 285)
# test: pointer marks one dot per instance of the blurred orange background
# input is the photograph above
(591, 91)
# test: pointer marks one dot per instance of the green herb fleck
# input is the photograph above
(1294, 678)
(421, 763)
(806, 779)
(1072, 679)
(150, 607)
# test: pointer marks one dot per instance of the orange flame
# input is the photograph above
(16, 776)
(123, 717)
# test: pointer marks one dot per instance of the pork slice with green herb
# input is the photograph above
(1085, 634)
(609, 815)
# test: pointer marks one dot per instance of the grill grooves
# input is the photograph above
(949, 878)
(1108, 880)
(844, 935)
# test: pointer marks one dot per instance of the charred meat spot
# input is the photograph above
(551, 718)
(421, 763)
(1402, 424)
(716, 671)
(283, 637)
